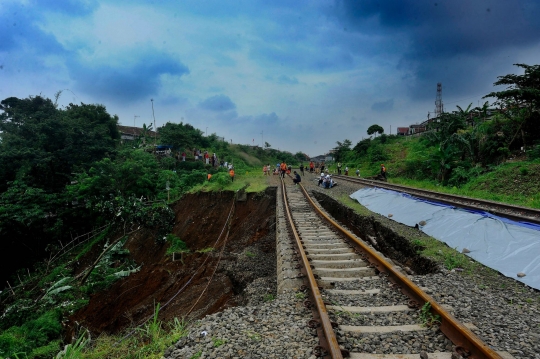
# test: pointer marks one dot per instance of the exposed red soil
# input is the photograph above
(200, 218)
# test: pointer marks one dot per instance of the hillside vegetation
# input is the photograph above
(64, 172)
(491, 153)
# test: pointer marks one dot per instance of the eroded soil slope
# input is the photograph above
(200, 220)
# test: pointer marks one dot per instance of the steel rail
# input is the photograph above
(533, 215)
(460, 335)
(332, 344)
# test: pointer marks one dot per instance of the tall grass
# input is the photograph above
(148, 341)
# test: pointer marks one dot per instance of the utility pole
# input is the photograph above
(134, 118)
(153, 115)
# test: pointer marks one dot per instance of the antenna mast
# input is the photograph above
(439, 107)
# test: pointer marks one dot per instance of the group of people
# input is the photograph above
(326, 181)
(266, 170)
(200, 155)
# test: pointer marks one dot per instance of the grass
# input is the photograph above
(427, 319)
(507, 183)
(249, 254)
(269, 297)
(149, 342)
(250, 178)
(205, 250)
(218, 342)
(253, 335)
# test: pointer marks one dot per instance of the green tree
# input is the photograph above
(183, 136)
(43, 145)
(519, 103)
(341, 150)
(362, 146)
(375, 129)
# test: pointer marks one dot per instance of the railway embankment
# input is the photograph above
(505, 312)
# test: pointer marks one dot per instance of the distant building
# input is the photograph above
(318, 158)
(402, 131)
(414, 129)
(130, 133)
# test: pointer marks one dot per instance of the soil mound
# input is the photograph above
(200, 219)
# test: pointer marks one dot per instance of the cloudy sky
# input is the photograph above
(299, 75)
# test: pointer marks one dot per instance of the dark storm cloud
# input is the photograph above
(448, 41)
(218, 103)
(383, 106)
(126, 83)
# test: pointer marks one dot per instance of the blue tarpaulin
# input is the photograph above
(507, 246)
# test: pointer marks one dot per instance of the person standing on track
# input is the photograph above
(346, 170)
(339, 168)
(383, 171)
(283, 168)
(311, 167)
(302, 168)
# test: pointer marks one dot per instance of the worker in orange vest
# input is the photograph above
(283, 167)
(231, 173)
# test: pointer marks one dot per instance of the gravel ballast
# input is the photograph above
(505, 312)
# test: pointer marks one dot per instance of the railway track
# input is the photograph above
(517, 213)
(363, 304)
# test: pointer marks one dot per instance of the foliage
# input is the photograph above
(362, 146)
(376, 154)
(427, 318)
(149, 342)
(519, 103)
(33, 334)
(176, 245)
(183, 137)
(74, 350)
(341, 149)
(375, 129)
(44, 144)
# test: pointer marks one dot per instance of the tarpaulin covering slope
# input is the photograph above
(504, 245)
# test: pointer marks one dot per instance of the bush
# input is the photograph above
(463, 174)
(376, 154)
(39, 336)
(190, 166)
(534, 153)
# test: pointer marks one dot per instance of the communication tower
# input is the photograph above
(439, 107)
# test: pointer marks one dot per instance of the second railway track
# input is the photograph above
(517, 213)
(363, 305)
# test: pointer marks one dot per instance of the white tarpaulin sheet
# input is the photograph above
(504, 245)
